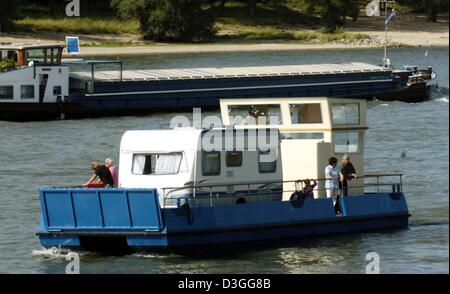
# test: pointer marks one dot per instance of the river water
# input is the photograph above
(59, 153)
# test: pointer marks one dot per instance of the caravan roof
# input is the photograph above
(160, 140)
(166, 141)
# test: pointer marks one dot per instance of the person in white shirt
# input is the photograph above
(332, 179)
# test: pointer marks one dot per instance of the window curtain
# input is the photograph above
(138, 164)
(168, 163)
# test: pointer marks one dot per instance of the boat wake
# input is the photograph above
(59, 253)
(425, 223)
(443, 99)
(154, 255)
(439, 93)
(53, 253)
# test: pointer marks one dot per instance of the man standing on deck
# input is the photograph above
(346, 172)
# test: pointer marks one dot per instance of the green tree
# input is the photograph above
(251, 7)
(6, 64)
(333, 12)
(168, 20)
(8, 13)
(430, 7)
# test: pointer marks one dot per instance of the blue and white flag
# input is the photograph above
(390, 18)
(373, 8)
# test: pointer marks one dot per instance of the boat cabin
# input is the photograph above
(208, 165)
(35, 75)
(312, 130)
(22, 55)
(268, 145)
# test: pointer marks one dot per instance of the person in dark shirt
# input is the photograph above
(308, 189)
(346, 173)
(101, 173)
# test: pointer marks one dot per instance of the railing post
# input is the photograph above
(121, 72)
(378, 184)
(401, 184)
(164, 198)
(93, 77)
(210, 195)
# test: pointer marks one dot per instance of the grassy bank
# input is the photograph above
(305, 36)
(233, 25)
(77, 25)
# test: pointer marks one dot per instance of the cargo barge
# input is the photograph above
(40, 86)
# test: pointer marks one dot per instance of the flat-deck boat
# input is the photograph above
(187, 189)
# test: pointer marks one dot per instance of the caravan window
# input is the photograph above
(156, 164)
(308, 113)
(234, 158)
(266, 164)
(211, 163)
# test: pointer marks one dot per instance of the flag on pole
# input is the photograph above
(373, 8)
(390, 18)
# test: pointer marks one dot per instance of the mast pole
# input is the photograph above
(385, 32)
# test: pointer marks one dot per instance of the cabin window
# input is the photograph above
(57, 91)
(308, 113)
(156, 164)
(347, 142)
(6, 92)
(27, 92)
(255, 114)
(11, 55)
(266, 164)
(234, 158)
(37, 55)
(211, 163)
(345, 114)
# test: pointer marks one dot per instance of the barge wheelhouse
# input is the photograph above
(35, 84)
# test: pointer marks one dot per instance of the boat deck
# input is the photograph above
(227, 72)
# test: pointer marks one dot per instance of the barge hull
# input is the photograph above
(139, 222)
(141, 92)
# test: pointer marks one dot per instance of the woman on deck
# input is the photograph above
(109, 163)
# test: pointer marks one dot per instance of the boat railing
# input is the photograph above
(92, 65)
(373, 183)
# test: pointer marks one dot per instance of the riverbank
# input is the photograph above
(396, 40)
(407, 31)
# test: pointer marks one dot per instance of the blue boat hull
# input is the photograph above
(132, 220)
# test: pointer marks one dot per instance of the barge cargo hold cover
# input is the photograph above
(138, 91)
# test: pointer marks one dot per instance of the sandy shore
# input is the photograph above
(411, 31)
